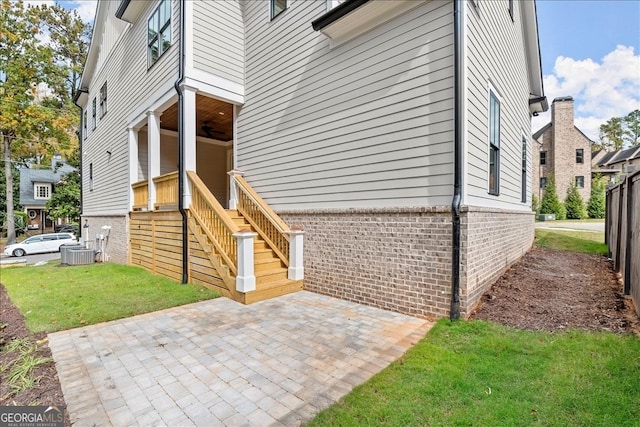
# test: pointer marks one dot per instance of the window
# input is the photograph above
(511, 9)
(90, 176)
(277, 7)
(84, 125)
(42, 191)
(524, 170)
(103, 100)
(93, 115)
(580, 155)
(543, 182)
(580, 181)
(334, 3)
(159, 32)
(543, 158)
(494, 144)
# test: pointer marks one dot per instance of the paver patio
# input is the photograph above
(217, 362)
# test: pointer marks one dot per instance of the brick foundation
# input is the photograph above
(117, 245)
(400, 259)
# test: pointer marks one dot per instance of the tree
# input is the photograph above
(574, 204)
(65, 200)
(611, 134)
(632, 128)
(550, 203)
(535, 204)
(596, 206)
(3, 194)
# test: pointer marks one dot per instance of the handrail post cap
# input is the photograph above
(235, 172)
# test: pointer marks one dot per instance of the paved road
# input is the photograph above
(31, 259)
(213, 363)
(572, 225)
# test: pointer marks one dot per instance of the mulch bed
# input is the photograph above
(546, 290)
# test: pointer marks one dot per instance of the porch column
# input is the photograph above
(133, 162)
(245, 279)
(153, 153)
(190, 134)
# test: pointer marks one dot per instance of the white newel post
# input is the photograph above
(233, 188)
(245, 279)
(296, 261)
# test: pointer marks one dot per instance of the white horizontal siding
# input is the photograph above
(218, 39)
(130, 85)
(496, 57)
(367, 124)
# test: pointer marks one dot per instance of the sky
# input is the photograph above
(590, 50)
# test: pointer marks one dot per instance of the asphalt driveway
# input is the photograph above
(217, 362)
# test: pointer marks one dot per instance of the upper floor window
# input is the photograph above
(543, 182)
(543, 158)
(511, 9)
(42, 191)
(159, 32)
(524, 170)
(580, 181)
(93, 115)
(84, 124)
(90, 176)
(334, 3)
(580, 155)
(277, 7)
(494, 144)
(103, 100)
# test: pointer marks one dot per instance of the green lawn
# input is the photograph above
(481, 374)
(590, 242)
(54, 298)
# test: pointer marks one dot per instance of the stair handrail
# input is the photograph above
(215, 220)
(279, 240)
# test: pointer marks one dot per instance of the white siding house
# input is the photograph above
(347, 119)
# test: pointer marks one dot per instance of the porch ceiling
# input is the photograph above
(214, 118)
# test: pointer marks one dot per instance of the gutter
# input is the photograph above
(458, 25)
(80, 139)
(181, 171)
(336, 13)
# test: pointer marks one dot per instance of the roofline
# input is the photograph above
(336, 13)
(542, 130)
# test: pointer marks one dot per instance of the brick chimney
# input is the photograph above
(562, 113)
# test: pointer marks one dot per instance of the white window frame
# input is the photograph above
(103, 100)
(271, 4)
(524, 168)
(332, 4)
(85, 124)
(490, 144)
(94, 114)
(44, 186)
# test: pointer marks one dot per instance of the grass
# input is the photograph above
(482, 374)
(54, 298)
(589, 242)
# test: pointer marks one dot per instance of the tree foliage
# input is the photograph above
(596, 206)
(65, 200)
(550, 203)
(574, 204)
(619, 132)
(36, 84)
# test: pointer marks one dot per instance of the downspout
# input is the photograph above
(458, 23)
(181, 171)
(80, 139)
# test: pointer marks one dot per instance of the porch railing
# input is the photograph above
(215, 221)
(166, 190)
(140, 195)
(266, 222)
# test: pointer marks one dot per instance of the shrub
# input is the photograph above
(574, 203)
(550, 203)
(596, 206)
(535, 204)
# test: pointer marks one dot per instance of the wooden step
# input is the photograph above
(261, 254)
(267, 264)
(272, 290)
(269, 276)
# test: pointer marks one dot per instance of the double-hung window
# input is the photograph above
(580, 181)
(543, 158)
(159, 32)
(84, 125)
(524, 170)
(494, 144)
(94, 122)
(580, 155)
(103, 100)
(42, 191)
(277, 7)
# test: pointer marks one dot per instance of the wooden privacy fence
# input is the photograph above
(622, 233)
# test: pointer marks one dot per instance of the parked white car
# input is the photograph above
(40, 244)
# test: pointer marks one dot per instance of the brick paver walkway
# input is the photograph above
(217, 362)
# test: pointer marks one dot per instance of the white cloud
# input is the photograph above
(601, 90)
(85, 8)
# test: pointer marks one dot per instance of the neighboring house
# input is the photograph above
(36, 188)
(396, 134)
(616, 164)
(562, 150)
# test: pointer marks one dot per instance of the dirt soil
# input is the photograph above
(546, 290)
(554, 290)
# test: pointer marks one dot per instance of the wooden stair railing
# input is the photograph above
(265, 221)
(215, 222)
